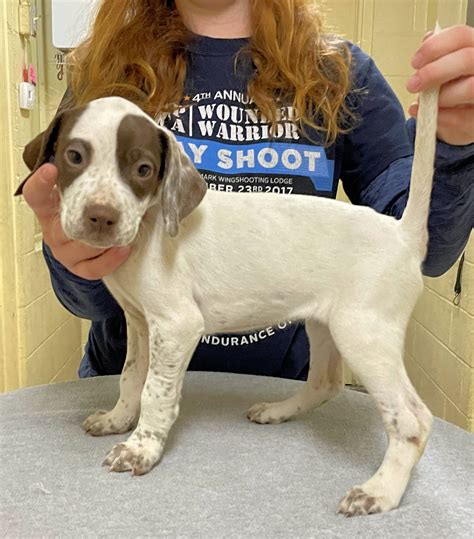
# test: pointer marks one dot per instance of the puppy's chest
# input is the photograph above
(132, 282)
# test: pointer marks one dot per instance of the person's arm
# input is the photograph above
(377, 162)
(89, 299)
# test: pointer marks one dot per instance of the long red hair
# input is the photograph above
(137, 49)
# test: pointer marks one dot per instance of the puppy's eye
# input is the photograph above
(144, 170)
(74, 157)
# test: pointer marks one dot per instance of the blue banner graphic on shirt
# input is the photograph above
(262, 158)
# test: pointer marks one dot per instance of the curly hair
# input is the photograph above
(137, 49)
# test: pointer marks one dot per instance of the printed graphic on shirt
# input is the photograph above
(235, 147)
(243, 338)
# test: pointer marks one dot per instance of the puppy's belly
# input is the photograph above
(243, 316)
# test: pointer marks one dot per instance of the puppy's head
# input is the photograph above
(114, 163)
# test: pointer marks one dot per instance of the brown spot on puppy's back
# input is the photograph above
(139, 143)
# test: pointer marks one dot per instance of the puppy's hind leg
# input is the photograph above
(372, 345)
(125, 413)
(324, 380)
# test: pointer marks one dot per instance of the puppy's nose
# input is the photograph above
(101, 217)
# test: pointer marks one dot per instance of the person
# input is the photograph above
(261, 100)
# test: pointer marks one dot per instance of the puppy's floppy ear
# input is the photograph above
(183, 187)
(41, 149)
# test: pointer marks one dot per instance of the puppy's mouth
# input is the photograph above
(101, 239)
(101, 242)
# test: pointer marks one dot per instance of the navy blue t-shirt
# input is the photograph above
(235, 148)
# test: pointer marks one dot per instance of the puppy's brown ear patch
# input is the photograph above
(32, 151)
(41, 149)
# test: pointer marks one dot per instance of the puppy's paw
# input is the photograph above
(359, 502)
(266, 412)
(139, 457)
(101, 423)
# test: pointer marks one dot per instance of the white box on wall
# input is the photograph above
(70, 21)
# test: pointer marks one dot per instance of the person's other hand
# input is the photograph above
(447, 59)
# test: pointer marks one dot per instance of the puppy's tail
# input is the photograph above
(415, 217)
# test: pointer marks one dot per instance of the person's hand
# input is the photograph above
(447, 59)
(41, 194)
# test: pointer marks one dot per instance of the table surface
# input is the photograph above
(220, 476)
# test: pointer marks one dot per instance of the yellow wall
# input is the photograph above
(40, 342)
(9, 376)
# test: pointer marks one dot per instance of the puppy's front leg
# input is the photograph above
(171, 344)
(125, 413)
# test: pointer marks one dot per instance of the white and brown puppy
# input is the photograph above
(227, 262)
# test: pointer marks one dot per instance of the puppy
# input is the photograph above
(215, 262)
